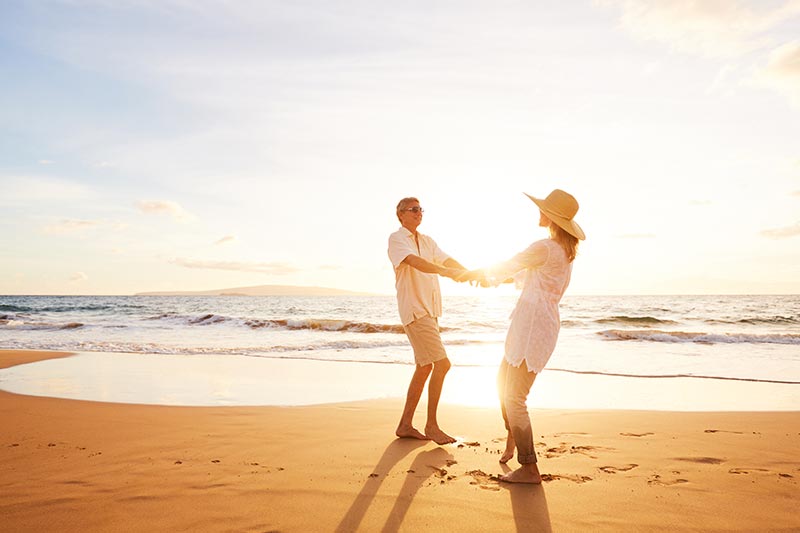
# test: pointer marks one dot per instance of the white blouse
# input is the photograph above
(543, 270)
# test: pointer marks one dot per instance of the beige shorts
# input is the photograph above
(426, 341)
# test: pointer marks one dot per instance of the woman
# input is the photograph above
(544, 271)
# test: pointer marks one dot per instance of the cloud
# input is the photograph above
(20, 190)
(275, 268)
(78, 277)
(225, 239)
(70, 225)
(45, 162)
(782, 71)
(796, 193)
(782, 233)
(164, 206)
(712, 28)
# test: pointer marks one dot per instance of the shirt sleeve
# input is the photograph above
(399, 248)
(439, 255)
(533, 256)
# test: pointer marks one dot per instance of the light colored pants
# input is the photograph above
(514, 384)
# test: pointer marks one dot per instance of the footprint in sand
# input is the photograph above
(723, 431)
(566, 448)
(577, 478)
(656, 479)
(746, 470)
(441, 473)
(615, 469)
(703, 460)
(484, 480)
(636, 434)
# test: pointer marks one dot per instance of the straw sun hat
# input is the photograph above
(561, 207)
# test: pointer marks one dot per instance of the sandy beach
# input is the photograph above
(70, 465)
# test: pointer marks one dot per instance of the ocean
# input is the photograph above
(746, 338)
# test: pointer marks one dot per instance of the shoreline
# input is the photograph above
(72, 465)
(229, 380)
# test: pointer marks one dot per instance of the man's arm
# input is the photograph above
(452, 263)
(451, 270)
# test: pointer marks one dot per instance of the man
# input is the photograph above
(417, 261)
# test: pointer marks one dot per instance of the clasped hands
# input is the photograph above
(478, 277)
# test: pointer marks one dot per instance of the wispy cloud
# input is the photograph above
(70, 225)
(167, 207)
(21, 190)
(782, 233)
(275, 268)
(225, 239)
(78, 277)
(713, 28)
(734, 30)
(782, 71)
(796, 193)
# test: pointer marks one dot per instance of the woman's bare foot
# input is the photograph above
(528, 473)
(510, 447)
(438, 436)
(409, 432)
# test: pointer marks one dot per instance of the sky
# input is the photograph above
(193, 144)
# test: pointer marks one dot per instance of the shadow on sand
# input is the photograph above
(425, 464)
(529, 505)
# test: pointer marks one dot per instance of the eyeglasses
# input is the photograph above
(415, 209)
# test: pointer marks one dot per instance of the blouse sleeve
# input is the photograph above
(533, 256)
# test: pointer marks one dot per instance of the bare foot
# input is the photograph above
(410, 432)
(438, 436)
(528, 473)
(509, 453)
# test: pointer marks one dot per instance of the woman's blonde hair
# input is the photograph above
(567, 241)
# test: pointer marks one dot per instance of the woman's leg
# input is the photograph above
(501, 389)
(517, 387)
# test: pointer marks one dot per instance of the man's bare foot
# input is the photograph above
(528, 473)
(410, 432)
(438, 436)
(509, 453)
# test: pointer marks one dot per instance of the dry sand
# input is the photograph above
(68, 465)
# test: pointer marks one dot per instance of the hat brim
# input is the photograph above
(567, 224)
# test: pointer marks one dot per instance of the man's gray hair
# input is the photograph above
(401, 205)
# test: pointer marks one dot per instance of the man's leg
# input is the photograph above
(406, 427)
(518, 386)
(432, 430)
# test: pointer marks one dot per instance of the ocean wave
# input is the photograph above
(322, 324)
(325, 325)
(757, 321)
(67, 308)
(702, 338)
(16, 323)
(624, 319)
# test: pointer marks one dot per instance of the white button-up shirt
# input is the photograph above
(418, 293)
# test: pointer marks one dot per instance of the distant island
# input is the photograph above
(262, 290)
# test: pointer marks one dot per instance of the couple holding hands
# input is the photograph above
(543, 272)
